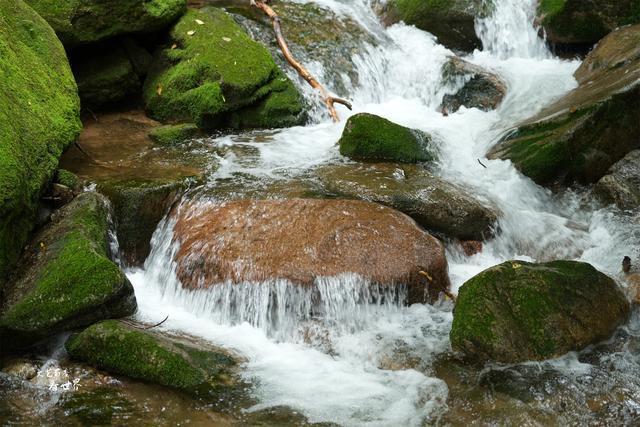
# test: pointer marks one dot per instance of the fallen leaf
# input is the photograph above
(159, 90)
(190, 33)
(227, 39)
(199, 22)
(173, 46)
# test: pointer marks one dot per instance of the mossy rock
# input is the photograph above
(584, 22)
(67, 280)
(68, 179)
(139, 205)
(88, 21)
(451, 21)
(580, 136)
(373, 138)
(39, 118)
(168, 135)
(216, 76)
(105, 76)
(435, 204)
(519, 311)
(122, 349)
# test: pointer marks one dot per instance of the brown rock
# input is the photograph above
(633, 287)
(301, 239)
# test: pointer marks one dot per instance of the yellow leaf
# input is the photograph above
(173, 46)
(159, 90)
(190, 33)
(227, 39)
(199, 22)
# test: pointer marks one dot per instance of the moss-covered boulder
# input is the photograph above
(139, 205)
(214, 75)
(87, 21)
(579, 137)
(69, 180)
(105, 76)
(144, 355)
(67, 279)
(451, 21)
(433, 203)
(476, 87)
(39, 118)
(168, 135)
(373, 138)
(621, 185)
(584, 22)
(518, 311)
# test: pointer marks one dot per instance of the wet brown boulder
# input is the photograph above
(478, 87)
(302, 239)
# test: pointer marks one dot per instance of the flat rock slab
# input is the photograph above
(302, 239)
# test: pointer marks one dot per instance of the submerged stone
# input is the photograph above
(373, 138)
(435, 204)
(479, 88)
(584, 22)
(301, 240)
(580, 136)
(216, 76)
(519, 311)
(120, 348)
(39, 118)
(87, 21)
(67, 279)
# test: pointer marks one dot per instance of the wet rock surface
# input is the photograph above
(579, 137)
(518, 311)
(435, 204)
(480, 89)
(621, 185)
(300, 240)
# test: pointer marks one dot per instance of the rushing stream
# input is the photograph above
(335, 358)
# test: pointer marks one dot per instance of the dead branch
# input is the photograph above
(144, 328)
(446, 292)
(329, 100)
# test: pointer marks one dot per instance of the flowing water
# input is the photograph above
(355, 355)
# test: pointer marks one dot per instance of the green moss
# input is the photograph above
(87, 21)
(518, 311)
(122, 349)
(174, 134)
(68, 179)
(39, 118)
(71, 280)
(216, 71)
(370, 137)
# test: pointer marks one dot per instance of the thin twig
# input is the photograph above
(144, 328)
(430, 280)
(329, 100)
(481, 164)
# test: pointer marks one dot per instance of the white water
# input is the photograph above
(329, 365)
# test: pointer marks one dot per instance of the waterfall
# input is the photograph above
(322, 351)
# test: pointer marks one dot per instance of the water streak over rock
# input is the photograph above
(302, 240)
